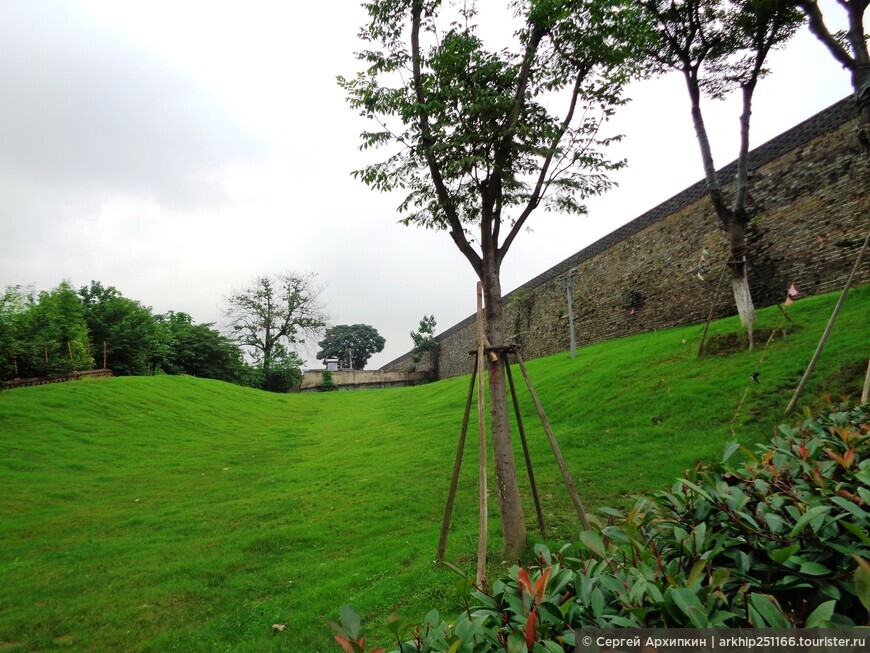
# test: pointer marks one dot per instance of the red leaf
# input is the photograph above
(541, 584)
(525, 581)
(532, 629)
(345, 644)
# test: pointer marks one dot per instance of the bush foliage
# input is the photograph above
(779, 539)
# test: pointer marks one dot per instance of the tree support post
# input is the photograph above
(538, 510)
(457, 466)
(827, 332)
(566, 475)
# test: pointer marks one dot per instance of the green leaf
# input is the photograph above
(695, 488)
(696, 572)
(781, 556)
(593, 542)
(729, 450)
(814, 569)
(807, 517)
(862, 582)
(517, 643)
(350, 621)
(821, 615)
(690, 605)
(769, 610)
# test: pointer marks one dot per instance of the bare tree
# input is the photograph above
(274, 314)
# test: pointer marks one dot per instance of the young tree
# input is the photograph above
(424, 338)
(718, 45)
(476, 147)
(351, 344)
(849, 48)
(273, 314)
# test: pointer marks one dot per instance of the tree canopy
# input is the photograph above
(273, 314)
(351, 344)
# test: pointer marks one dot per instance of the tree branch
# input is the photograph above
(535, 198)
(457, 233)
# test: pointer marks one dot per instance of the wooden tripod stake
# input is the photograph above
(484, 348)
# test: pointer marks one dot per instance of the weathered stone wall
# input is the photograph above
(362, 379)
(808, 191)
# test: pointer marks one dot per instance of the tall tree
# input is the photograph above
(476, 147)
(15, 301)
(135, 342)
(719, 45)
(849, 48)
(351, 344)
(200, 350)
(273, 314)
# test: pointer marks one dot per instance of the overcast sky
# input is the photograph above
(174, 149)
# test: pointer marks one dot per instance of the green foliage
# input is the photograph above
(59, 331)
(327, 384)
(42, 334)
(200, 350)
(361, 340)
(479, 144)
(424, 338)
(136, 343)
(777, 541)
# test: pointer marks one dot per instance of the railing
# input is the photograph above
(42, 380)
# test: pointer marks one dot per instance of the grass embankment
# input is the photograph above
(170, 513)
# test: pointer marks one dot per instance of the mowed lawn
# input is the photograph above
(173, 513)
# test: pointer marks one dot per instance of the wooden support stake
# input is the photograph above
(865, 395)
(457, 465)
(815, 358)
(566, 475)
(712, 309)
(481, 425)
(538, 510)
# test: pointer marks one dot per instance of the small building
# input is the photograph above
(331, 365)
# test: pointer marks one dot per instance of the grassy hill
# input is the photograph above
(172, 513)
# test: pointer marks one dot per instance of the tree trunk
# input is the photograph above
(512, 519)
(739, 277)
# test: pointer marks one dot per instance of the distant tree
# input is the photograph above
(424, 338)
(135, 342)
(273, 314)
(53, 334)
(718, 46)
(849, 49)
(475, 145)
(351, 344)
(15, 301)
(200, 350)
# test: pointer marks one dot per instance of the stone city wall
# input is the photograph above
(808, 192)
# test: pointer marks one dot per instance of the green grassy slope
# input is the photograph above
(172, 513)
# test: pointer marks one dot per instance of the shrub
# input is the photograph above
(327, 384)
(778, 540)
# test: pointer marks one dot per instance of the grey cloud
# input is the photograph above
(81, 107)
